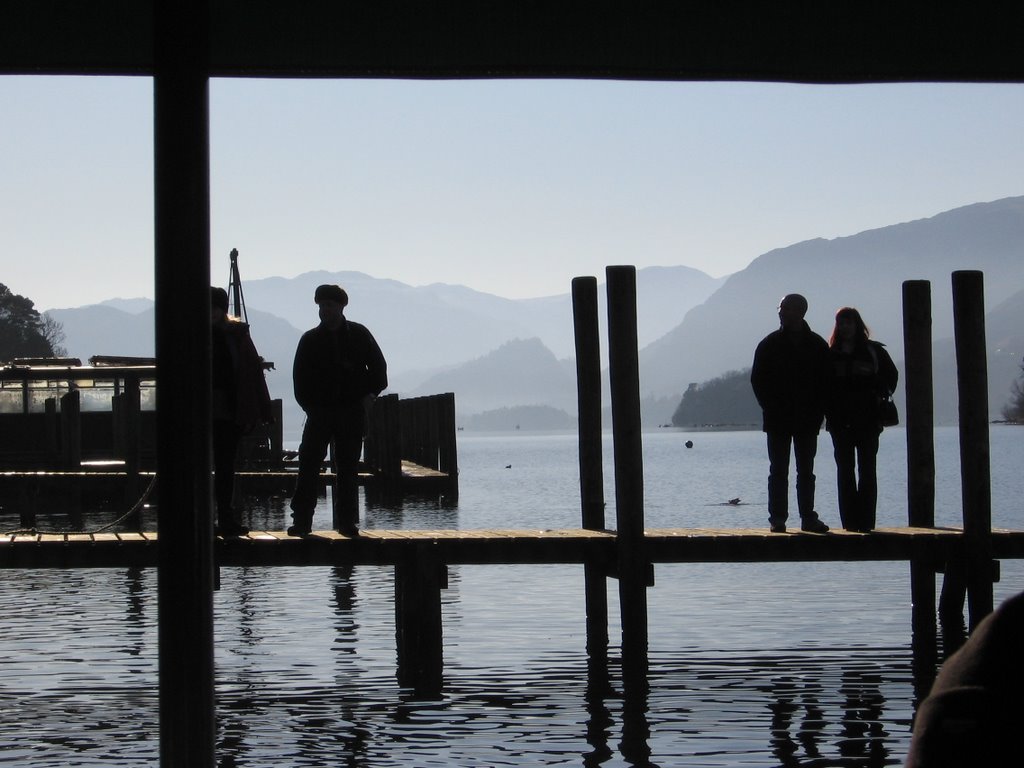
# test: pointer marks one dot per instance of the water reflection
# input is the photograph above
(306, 675)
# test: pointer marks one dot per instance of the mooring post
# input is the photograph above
(71, 429)
(182, 270)
(132, 446)
(419, 579)
(624, 369)
(920, 430)
(975, 467)
(448, 451)
(588, 391)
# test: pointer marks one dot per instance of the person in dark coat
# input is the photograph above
(789, 377)
(862, 373)
(240, 401)
(338, 372)
(973, 714)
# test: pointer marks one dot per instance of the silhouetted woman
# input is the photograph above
(861, 374)
(239, 402)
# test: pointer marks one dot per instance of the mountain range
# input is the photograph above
(498, 353)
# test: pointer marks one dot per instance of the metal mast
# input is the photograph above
(236, 298)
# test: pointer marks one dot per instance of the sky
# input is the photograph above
(509, 187)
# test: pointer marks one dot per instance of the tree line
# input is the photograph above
(25, 332)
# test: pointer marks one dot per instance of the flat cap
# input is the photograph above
(331, 293)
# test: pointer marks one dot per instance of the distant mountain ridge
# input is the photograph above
(692, 328)
(425, 332)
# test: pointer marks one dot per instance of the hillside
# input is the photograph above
(864, 270)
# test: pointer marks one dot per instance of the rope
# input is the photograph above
(135, 508)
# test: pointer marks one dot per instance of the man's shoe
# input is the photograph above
(813, 526)
(778, 527)
(298, 530)
(349, 529)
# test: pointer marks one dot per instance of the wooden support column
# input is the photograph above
(51, 432)
(448, 452)
(975, 473)
(633, 567)
(71, 430)
(182, 203)
(588, 389)
(131, 422)
(277, 434)
(920, 430)
(419, 579)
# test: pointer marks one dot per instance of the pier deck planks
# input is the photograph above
(386, 547)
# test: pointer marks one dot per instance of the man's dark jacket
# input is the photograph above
(337, 368)
(790, 379)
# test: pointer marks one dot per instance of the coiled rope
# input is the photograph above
(135, 508)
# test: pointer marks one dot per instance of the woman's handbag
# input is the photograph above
(887, 413)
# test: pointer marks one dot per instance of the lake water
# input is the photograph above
(750, 664)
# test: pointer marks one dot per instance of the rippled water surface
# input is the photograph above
(750, 664)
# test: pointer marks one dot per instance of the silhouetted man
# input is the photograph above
(789, 377)
(338, 371)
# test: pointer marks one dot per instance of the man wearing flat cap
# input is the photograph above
(338, 371)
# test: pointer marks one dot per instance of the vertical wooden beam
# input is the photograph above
(182, 202)
(131, 421)
(276, 430)
(71, 429)
(972, 387)
(920, 430)
(419, 579)
(624, 368)
(51, 432)
(588, 391)
(448, 459)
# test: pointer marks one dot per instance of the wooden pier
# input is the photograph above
(627, 552)
(126, 549)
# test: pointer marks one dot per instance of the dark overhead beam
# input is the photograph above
(771, 40)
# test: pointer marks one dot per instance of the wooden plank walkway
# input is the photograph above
(454, 547)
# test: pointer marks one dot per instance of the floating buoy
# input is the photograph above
(689, 443)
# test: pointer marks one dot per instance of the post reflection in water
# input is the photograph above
(818, 710)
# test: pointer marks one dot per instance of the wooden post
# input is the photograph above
(588, 390)
(972, 387)
(919, 420)
(419, 579)
(51, 432)
(182, 206)
(132, 445)
(71, 429)
(277, 434)
(448, 451)
(629, 473)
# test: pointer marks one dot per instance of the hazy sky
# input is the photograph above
(509, 187)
